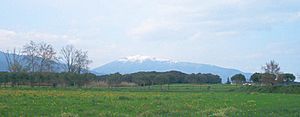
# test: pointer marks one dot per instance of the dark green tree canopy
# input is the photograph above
(271, 79)
(228, 81)
(255, 77)
(287, 77)
(151, 78)
(238, 78)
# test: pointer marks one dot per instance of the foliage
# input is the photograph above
(45, 79)
(290, 89)
(272, 79)
(255, 77)
(152, 78)
(73, 79)
(238, 78)
(287, 77)
(228, 81)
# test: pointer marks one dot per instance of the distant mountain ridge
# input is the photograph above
(138, 63)
(3, 62)
(134, 64)
(4, 67)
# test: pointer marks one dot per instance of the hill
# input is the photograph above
(3, 63)
(58, 67)
(134, 64)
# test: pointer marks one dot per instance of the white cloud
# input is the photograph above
(294, 17)
(213, 36)
(179, 27)
(6, 35)
(192, 18)
(47, 37)
(150, 26)
(13, 39)
(145, 27)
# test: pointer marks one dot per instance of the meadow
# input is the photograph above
(173, 100)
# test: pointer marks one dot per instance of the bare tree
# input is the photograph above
(14, 61)
(46, 55)
(76, 61)
(271, 68)
(81, 61)
(31, 52)
(68, 57)
(39, 56)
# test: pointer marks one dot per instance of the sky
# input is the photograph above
(240, 34)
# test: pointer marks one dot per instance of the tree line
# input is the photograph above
(66, 79)
(270, 76)
(50, 79)
(39, 64)
(42, 57)
(160, 78)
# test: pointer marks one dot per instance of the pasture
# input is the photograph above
(174, 100)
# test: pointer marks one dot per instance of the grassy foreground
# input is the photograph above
(105, 102)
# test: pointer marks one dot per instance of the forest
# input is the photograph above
(88, 79)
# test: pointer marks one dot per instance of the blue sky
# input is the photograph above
(242, 34)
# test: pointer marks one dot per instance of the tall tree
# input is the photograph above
(81, 61)
(228, 81)
(76, 60)
(68, 57)
(271, 68)
(31, 52)
(46, 54)
(14, 61)
(238, 78)
(256, 77)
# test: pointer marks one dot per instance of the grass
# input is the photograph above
(216, 101)
(271, 89)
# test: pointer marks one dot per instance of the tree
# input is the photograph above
(287, 77)
(271, 68)
(238, 78)
(31, 52)
(228, 81)
(14, 61)
(76, 60)
(46, 54)
(39, 56)
(271, 79)
(114, 79)
(82, 61)
(268, 79)
(68, 57)
(256, 77)
(4, 78)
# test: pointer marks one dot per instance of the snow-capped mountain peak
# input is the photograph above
(137, 63)
(140, 58)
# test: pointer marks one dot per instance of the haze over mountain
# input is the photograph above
(242, 34)
(3, 63)
(58, 67)
(138, 63)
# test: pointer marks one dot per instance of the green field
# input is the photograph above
(173, 100)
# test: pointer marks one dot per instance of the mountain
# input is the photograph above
(58, 67)
(3, 63)
(144, 63)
